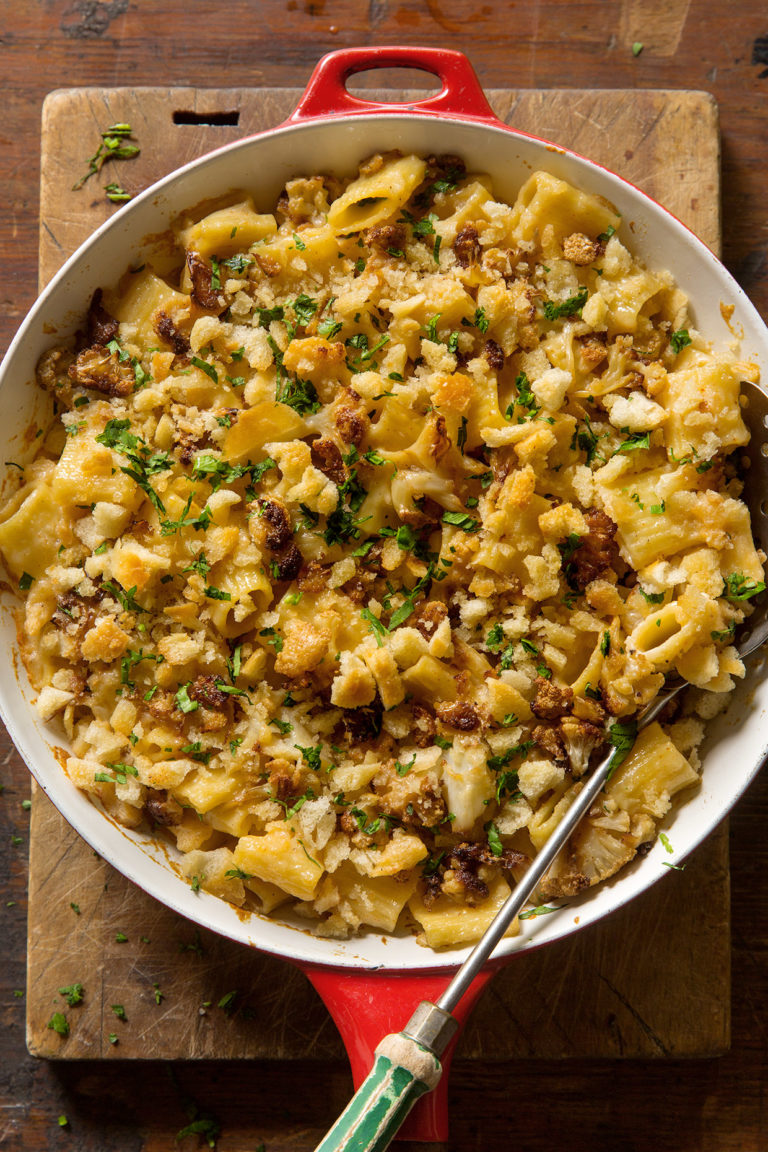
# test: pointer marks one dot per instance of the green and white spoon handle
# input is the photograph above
(404, 1069)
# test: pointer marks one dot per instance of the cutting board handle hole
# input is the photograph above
(208, 119)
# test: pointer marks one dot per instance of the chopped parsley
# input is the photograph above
(183, 701)
(123, 596)
(539, 910)
(311, 756)
(304, 308)
(144, 463)
(238, 263)
(461, 438)
(507, 786)
(72, 993)
(567, 548)
(59, 1023)
(632, 443)
(113, 146)
(401, 614)
(461, 521)
(622, 735)
(206, 1126)
(431, 328)
(199, 565)
(300, 395)
(283, 726)
(586, 439)
(679, 340)
(205, 367)
(506, 657)
(505, 758)
(273, 638)
(525, 397)
(216, 593)
(737, 586)
(375, 624)
(494, 839)
(479, 321)
(495, 637)
(329, 328)
(569, 307)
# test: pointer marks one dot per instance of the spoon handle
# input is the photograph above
(403, 1070)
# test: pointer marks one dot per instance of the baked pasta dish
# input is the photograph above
(359, 532)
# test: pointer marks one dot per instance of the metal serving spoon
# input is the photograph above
(407, 1063)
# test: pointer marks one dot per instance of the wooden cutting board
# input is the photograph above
(652, 980)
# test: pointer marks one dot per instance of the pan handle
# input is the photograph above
(367, 1006)
(326, 93)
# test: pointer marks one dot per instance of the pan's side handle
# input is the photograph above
(326, 93)
(367, 1006)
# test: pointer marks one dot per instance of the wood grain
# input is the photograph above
(669, 1105)
(653, 981)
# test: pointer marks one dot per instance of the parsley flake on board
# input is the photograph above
(114, 146)
(59, 1023)
(73, 994)
(202, 1125)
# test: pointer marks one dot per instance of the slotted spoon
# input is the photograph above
(408, 1063)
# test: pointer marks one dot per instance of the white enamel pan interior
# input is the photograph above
(737, 742)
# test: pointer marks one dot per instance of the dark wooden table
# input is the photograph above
(716, 1105)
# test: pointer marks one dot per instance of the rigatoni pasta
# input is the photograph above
(354, 539)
